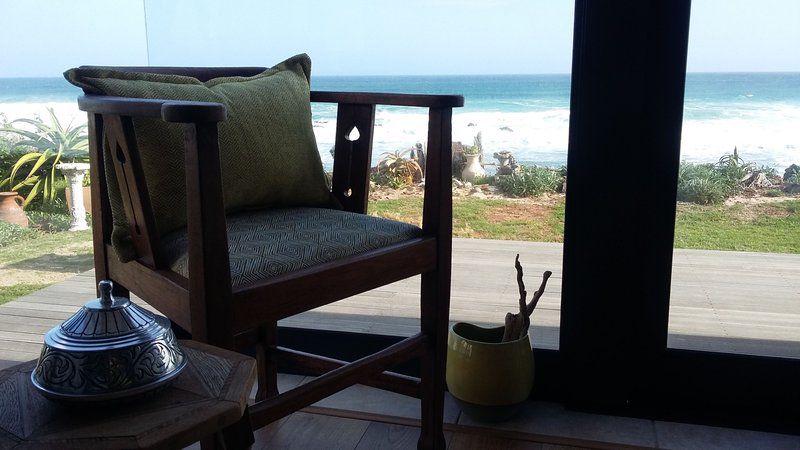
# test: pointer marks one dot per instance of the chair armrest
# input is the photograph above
(167, 110)
(353, 159)
(371, 98)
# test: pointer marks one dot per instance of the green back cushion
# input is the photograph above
(268, 151)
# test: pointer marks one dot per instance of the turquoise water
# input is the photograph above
(529, 114)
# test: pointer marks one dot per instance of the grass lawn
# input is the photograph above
(768, 227)
(486, 219)
(34, 260)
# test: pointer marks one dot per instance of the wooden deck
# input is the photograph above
(721, 301)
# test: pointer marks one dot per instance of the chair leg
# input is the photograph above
(435, 304)
(267, 364)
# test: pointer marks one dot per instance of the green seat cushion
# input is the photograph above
(274, 241)
(268, 153)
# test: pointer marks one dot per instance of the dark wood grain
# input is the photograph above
(334, 381)
(435, 300)
(209, 268)
(303, 431)
(267, 357)
(169, 110)
(132, 187)
(164, 290)
(352, 159)
(369, 98)
(207, 305)
(101, 209)
(319, 365)
(387, 436)
(325, 283)
(208, 396)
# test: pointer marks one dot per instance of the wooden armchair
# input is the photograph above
(211, 307)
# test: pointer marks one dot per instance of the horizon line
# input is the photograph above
(476, 74)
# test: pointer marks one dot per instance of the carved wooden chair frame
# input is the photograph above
(207, 306)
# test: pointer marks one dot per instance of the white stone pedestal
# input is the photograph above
(75, 173)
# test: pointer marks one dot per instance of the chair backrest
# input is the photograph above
(127, 169)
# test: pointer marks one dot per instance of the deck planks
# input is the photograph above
(737, 302)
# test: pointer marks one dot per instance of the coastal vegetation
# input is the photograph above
(770, 227)
(397, 169)
(728, 205)
(531, 181)
(38, 149)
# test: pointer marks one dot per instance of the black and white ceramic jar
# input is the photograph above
(110, 349)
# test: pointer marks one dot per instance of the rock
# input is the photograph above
(756, 180)
(477, 194)
(467, 185)
(507, 164)
(506, 129)
(791, 188)
(792, 174)
(457, 182)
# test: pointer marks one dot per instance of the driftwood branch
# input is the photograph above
(517, 325)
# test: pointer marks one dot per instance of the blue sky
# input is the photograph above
(365, 37)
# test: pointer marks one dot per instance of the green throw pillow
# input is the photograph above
(268, 151)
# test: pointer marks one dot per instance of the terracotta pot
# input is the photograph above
(87, 198)
(11, 209)
(489, 379)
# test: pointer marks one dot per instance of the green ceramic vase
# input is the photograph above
(489, 379)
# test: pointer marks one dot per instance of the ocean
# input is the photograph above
(759, 113)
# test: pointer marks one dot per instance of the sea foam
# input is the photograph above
(766, 133)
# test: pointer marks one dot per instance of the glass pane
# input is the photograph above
(736, 272)
(511, 63)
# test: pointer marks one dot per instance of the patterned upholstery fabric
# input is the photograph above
(272, 242)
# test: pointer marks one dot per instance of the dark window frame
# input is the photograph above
(629, 68)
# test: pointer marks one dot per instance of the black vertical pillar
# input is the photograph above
(629, 64)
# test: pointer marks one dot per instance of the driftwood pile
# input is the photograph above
(517, 324)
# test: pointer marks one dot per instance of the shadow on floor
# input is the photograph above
(52, 262)
(5, 364)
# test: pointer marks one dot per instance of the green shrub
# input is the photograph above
(397, 169)
(774, 193)
(49, 221)
(34, 174)
(733, 169)
(486, 179)
(10, 232)
(477, 146)
(383, 179)
(9, 154)
(792, 174)
(530, 181)
(703, 184)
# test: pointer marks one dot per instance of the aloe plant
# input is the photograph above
(399, 167)
(51, 144)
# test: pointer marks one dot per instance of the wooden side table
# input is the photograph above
(208, 396)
